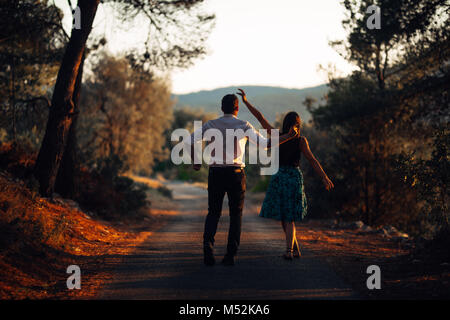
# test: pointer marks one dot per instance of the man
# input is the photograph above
(226, 175)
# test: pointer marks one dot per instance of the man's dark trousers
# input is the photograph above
(221, 180)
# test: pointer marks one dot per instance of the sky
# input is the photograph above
(279, 43)
(254, 42)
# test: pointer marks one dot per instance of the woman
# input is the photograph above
(285, 198)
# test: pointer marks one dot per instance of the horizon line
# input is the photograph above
(250, 85)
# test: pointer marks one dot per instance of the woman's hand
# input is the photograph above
(243, 95)
(293, 132)
(327, 182)
(258, 115)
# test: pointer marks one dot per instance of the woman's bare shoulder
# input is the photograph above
(303, 140)
(303, 143)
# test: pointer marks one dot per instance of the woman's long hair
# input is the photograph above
(290, 119)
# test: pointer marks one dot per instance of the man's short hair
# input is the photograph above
(229, 103)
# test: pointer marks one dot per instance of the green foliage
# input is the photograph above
(176, 31)
(164, 191)
(111, 166)
(133, 195)
(430, 179)
(405, 25)
(182, 119)
(109, 194)
(32, 41)
(185, 117)
(383, 114)
(262, 184)
(125, 115)
(187, 173)
(321, 204)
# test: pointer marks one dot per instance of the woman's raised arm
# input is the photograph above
(255, 112)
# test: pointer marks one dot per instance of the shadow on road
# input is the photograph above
(169, 265)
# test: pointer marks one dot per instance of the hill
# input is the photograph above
(269, 100)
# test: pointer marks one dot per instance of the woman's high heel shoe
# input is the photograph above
(297, 253)
(289, 254)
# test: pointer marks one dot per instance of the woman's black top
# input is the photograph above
(290, 153)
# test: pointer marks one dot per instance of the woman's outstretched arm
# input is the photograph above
(315, 164)
(255, 112)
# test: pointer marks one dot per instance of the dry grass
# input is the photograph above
(40, 238)
(152, 183)
(404, 275)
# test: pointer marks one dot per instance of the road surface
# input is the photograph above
(169, 264)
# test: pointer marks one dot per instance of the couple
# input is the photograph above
(285, 200)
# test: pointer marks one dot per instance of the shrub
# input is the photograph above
(133, 195)
(166, 192)
(111, 197)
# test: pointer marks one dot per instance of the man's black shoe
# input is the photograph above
(209, 261)
(228, 261)
(208, 258)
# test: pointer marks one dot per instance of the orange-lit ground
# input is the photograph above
(350, 252)
(40, 238)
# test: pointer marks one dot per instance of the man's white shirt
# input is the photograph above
(227, 125)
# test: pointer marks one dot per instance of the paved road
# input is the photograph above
(169, 265)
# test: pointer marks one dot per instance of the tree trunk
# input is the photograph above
(67, 178)
(13, 98)
(62, 107)
(378, 71)
(366, 195)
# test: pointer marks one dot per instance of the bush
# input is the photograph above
(166, 192)
(187, 173)
(429, 179)
(133, 195)
(111, 197)
(262, 184)
(16, 159)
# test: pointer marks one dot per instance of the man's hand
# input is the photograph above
(242, 94)
(197, 167)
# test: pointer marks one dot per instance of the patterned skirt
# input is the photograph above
(285, 198)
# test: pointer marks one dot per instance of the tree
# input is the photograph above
(182, 118)
(32, 39)
(378, 52)
(430, 179)
(62, 107)
(67, 179)
(369, 114)
(355, 118)
(125, 116)
(163, 17)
